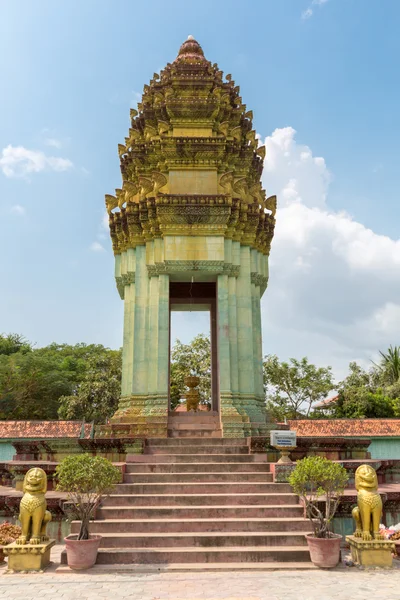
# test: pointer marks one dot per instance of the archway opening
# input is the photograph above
(193, 342)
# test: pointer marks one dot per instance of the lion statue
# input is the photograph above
(32, 510)
(367, 514)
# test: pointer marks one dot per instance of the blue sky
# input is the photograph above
(322, 75)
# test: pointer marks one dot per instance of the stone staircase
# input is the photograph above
(200, 504)
(194, 424)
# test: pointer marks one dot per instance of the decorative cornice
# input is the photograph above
(123, 280)
(187, 99)
(217, 215)
(259, 280)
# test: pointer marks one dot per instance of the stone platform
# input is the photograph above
(26, 558)
(373, 553)
(208, 502)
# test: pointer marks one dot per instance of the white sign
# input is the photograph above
(283, 439)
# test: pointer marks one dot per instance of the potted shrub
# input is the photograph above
(316, 479)
(86, 479)
(8, 534)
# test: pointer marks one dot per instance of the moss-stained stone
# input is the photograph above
(191, 207)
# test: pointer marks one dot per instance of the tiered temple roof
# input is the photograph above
(191, 118)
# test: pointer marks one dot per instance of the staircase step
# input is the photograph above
(194, 427)
(195, 441)
(181, 478)
(196, 458)
(161, 468)
(192, 449)
(200, 512)
(243, 487)
(132, 569)
(197, 499)
(234, 554)
(203, 539)
(194, 525)
(200, 432)
(198, 417)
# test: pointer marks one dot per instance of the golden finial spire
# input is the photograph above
(190, 51)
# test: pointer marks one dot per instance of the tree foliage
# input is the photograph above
(315, 478)
(96, 397)
(12, 343)
(389, 366)
(364, 394)
(86, 479)
(33, 380)
(191, 359)
(292, 387)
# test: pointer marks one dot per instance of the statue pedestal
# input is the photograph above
(374, 553)
(27, 557)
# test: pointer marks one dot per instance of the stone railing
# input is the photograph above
(330, 447)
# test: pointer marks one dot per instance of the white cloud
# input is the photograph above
(17, 161)
(334, 284)
(292, 168)
(306, 14)
(53, 142)
(97, 247)
(17, 209)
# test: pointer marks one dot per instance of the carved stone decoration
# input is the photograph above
(31, 551)
(192, 396)
(368, 546)
(368, 512)
(191, 207)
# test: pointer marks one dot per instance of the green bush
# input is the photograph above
(86, 479)
(316, 479)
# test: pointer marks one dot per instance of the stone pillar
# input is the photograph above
(156, 408)
(245, 340)
(257, 345)
(230, 417)
(140, 363)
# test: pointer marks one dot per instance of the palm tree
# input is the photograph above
(390, 364)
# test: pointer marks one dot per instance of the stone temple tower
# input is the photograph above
(191, 224)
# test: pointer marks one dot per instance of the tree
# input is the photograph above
(389, 366)
(32, 381)
(292, 387)
(12, 343)
(191, 359)
(360, 396)
(96, 395)
(86, 479)
(30, 386)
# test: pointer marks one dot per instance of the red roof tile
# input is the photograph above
(326, 402)
(345, 427)
(43, 429)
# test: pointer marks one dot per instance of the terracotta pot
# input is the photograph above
(324, 552)
(81, 554)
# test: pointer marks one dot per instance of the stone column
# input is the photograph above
(230, 417)
(128, 345)
(245, 339)
(140, 363)
(156, 409)
(257, 349)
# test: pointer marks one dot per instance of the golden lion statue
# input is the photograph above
(367, 514)
(32, 510)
